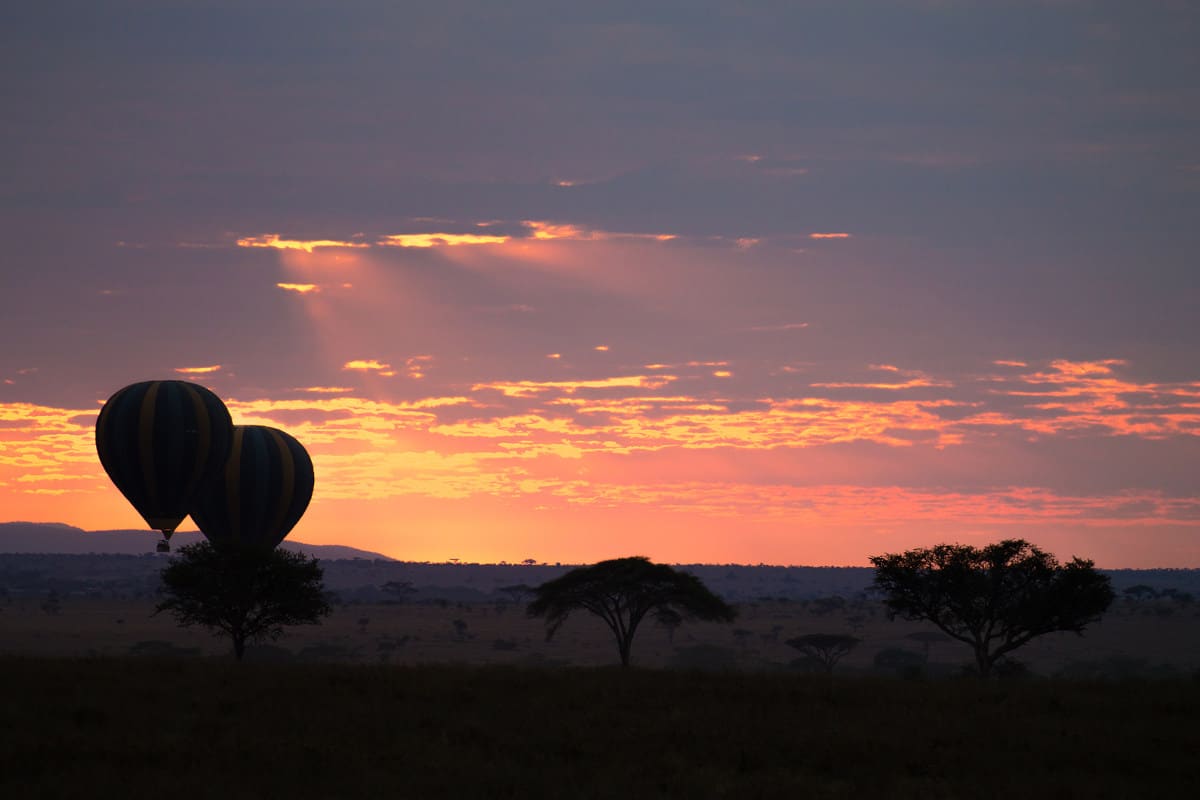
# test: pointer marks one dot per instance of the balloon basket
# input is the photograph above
(163, 547)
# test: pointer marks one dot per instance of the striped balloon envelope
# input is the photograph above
(262, 492)
(159, 441)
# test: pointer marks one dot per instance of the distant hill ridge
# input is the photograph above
(58, 538)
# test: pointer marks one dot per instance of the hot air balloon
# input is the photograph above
(260, 495)
(159, 441)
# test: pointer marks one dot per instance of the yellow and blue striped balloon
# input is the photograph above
(159, 441)
(260, 495)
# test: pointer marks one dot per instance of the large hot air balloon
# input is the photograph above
(262, 492)
(159, 441)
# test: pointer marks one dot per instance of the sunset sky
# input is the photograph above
(765, 282)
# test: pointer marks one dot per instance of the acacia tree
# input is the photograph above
(994, 598)
(242, 593)
(825, 649)
(622, 591)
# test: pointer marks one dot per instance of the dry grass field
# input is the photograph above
(203, 728)
(1144, 639)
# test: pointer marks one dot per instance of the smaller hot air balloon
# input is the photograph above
(260, 495)
(159, 441)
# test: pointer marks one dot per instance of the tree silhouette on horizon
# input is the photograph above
(994, 598)
(244, 593)
(622, 592)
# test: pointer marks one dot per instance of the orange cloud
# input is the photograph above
(424, 240)
(531, 388)
(545, 231)
(198, 370)
(829, 236)
(300, 288)
(273, 240)
(370, 365)
(415, 366)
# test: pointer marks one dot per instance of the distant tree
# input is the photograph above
(1141, 592)
(398, 591)
(460, 629)
(995, 598)
(247, 595)
(622, 592)
(825, 649)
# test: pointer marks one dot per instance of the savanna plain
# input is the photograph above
(460, 695)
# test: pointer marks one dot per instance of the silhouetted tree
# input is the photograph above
(995, 598)
(245, 594)
(622, 592)
(1141, 592)
(825, 649)
(398, 591)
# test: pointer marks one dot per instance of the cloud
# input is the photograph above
(425, 240)
(545, 230)
(532, 388)
(369, 365)
(829, 236)
(274, 241)
(299, 288)
(198, 370)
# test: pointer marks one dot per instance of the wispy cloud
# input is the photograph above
(198, 370)
(424, 240)
(299, 288)
(785, 326)
(369, 365)
(834, 235)
(276, 242)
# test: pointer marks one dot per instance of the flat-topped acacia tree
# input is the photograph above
(622, 592)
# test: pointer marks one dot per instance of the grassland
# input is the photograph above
(1132, 639)
(209, 728)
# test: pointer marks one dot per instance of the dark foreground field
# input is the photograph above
(200, 728)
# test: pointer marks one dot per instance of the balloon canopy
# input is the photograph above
(159, 441)
(262, 492)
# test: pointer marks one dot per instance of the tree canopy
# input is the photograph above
(243, 593)
(622, 592)
(825, 649)
(994, 598)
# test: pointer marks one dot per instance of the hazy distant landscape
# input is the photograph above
(101, 604)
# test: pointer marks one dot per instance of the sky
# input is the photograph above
(761, 282)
